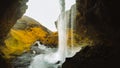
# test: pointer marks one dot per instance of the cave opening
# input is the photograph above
(100, 25)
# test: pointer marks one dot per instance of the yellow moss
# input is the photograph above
(52, 39)
(14, 47)
(77, 40)
(21, 40)
(29, 36)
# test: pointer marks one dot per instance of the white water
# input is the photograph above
(52, 58)
(46, 59)
(62, 32)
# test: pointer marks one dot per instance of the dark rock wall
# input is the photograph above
(10, 11)
(100, 19)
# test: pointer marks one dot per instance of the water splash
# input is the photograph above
(47, 58)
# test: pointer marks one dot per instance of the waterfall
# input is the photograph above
(72, 48)
(66, 25)
(62, 5)
(62, 32)
(60, 55)
(54, 58)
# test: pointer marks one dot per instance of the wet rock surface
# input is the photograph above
(99, 18)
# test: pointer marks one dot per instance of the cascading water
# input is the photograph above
(60, 54)
(51, 59)
(72, 46)
(62, 32)
(54, 58)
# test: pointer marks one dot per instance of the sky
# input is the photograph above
(46, 12)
